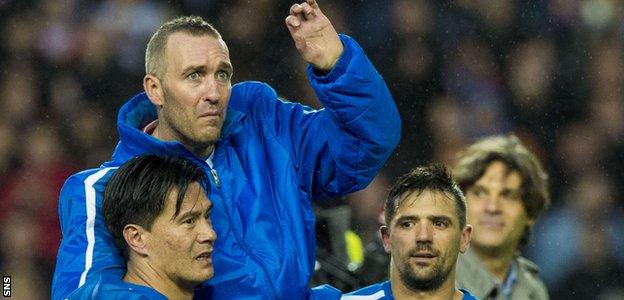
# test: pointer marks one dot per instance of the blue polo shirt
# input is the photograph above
(112, 287)
(383, 291)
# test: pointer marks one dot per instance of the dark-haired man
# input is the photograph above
(158, 214)
(266, 158)
(506, 190)
(424, 233)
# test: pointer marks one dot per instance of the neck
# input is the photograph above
(446, 291)
(142, 273)
(497, 263)
(165, 133)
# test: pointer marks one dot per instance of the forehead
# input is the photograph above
(183, 47)
(499, 174)
(427, 203)
(194, 198)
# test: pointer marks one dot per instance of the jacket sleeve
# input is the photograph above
(340, 148)
(87, 248)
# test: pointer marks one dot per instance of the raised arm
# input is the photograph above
(340, 148)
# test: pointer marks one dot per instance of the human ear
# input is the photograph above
(153, 88)
(135, 238)
(466, 236)
(385, 238)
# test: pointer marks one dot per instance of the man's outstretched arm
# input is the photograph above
(340, 148)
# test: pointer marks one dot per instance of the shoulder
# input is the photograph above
(91, 177)
(472, 276)
(108, 288)
(248, 92)
(529, 279)
(380, 290)
(528, 266)
(325, 292)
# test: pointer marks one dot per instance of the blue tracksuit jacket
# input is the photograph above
(273, 157)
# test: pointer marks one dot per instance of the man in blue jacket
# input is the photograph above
(267, 158)
(158, 214)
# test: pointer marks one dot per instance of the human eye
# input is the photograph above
(511, 195)
(406, 224)
(189, 221)
(441, 223)
(223, 76)
(479, 192)
(193, 76)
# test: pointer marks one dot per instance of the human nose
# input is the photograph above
(492, 204)
(206, 233)
(424, 233)
(212, 92)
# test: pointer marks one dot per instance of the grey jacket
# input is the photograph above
(472, 276)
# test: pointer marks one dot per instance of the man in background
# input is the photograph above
(506, 190)
(158, 214)
(424, 233)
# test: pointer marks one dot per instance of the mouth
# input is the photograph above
(210, 113)
(492, 224)
(205, 256)
(423, 257)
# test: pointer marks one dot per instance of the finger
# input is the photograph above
(308, 11)
(313, 4)
(292, 21)
(296, 9)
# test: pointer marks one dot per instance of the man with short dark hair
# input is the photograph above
(506, 189)
(158, 214)
(424, 233)
(267, 159)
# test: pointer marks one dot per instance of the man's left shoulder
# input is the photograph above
(529, 280)
(246, 91)
(526, 265)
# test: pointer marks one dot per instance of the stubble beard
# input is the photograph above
(429, 281)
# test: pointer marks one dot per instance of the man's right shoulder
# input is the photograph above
(376, 291)
(90, 177)
(104, 288)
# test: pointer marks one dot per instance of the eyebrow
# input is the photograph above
(194, 213)
(222, 65)
(431, 218)
(504, 191)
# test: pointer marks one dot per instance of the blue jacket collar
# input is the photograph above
(137, 113)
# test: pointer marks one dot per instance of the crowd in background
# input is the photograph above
(549, 71)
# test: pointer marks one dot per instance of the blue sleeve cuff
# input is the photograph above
(341, 65)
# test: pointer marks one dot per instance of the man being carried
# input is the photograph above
(158, 214)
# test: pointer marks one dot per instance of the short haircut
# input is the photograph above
(473, 162)
(433, 177)
(155, 63)
(138, 191)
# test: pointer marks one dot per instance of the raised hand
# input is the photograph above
(314, 35)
